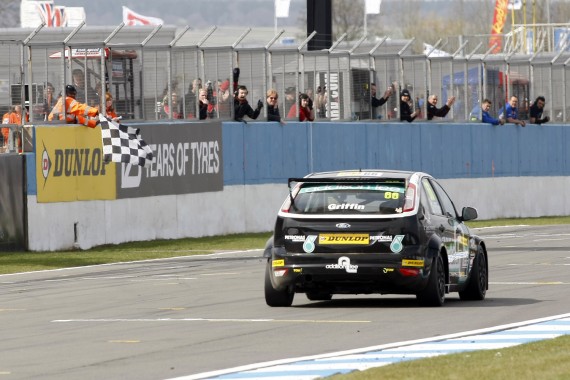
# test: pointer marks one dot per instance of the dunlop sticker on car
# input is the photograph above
(412, 263)
(278, 263)
(347, 239)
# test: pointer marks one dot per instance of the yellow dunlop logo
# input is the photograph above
(328, 239)
(278, 263)
(413, 263)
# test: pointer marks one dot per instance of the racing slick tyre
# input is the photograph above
(477, 287)
(276, 298)
(434, 293)
(318, 296)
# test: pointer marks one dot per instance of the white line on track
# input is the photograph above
(206, 320)
(407, 349)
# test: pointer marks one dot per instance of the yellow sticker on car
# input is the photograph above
(278, 263)
(412, 263)
(346, 239)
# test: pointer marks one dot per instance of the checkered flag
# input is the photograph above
(123, 144)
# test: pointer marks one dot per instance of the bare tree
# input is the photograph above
(10, 11)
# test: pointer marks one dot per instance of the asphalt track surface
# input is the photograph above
(185, 316)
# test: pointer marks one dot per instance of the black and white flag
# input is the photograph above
(122, 143)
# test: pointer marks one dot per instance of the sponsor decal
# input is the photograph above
(309, 244)
(397, 245)
(363, 187)
(343, 263)
(350, 239)
(342, 225)
(346, 206)
(412, 263)
(458, 256)
(360, 174)
(388, 270)
(70, 166)
(381, 238)
(295, 238)
(298, 270)
(278, 263)
(188, 159)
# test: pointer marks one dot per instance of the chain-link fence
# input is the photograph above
(153, 78)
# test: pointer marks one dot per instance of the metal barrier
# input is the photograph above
(159, 77)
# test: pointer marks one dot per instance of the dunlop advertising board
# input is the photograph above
(70, 167)
(187, 159)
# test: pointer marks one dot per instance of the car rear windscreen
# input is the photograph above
(351, 198)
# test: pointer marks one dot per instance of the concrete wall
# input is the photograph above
(503, 171)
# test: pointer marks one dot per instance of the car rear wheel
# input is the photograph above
(276, 298)
(319, 296)
(434, 293)
(477, 287)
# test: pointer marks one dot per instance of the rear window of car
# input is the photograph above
(335, 198)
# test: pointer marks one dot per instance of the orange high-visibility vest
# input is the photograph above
(76, 113)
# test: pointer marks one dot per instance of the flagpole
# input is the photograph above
(365, 20)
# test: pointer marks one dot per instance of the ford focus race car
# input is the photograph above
(374, 231)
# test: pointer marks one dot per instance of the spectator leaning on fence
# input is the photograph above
(74, 112)
(536, 111)
(306, 112)
(512, 113)
(375, 102)
(406, 113)
(242, 107)
(486, 117)
(273, 106)
(432, 109)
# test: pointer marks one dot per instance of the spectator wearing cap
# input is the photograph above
(75, 112)
(406, 113)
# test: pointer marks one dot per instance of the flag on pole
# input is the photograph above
(514, 4)
(498, 23)
(131, 18)
(123, 144)
(372, 7)
(282, 8)
(53, 16)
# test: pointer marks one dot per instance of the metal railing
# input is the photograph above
(151, 79)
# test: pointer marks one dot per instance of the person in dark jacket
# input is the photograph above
(432, 109)
(242, 107)
(273, 107)
(406, 113)
(375, 102)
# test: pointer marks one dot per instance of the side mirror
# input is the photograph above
(469, 213)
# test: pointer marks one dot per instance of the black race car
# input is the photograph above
(373, 231)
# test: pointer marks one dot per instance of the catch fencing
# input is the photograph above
(154, 78)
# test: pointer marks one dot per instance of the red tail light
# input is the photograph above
(410, 198)
(409, 272)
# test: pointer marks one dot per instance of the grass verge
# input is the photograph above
(545, 359)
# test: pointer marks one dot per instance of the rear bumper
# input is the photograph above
(350, 273)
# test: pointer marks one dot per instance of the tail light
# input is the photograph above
(410, 198)
(409, 272)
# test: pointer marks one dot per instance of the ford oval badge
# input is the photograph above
(343, 225)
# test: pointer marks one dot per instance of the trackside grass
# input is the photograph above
(546, 359)
(16, 262)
